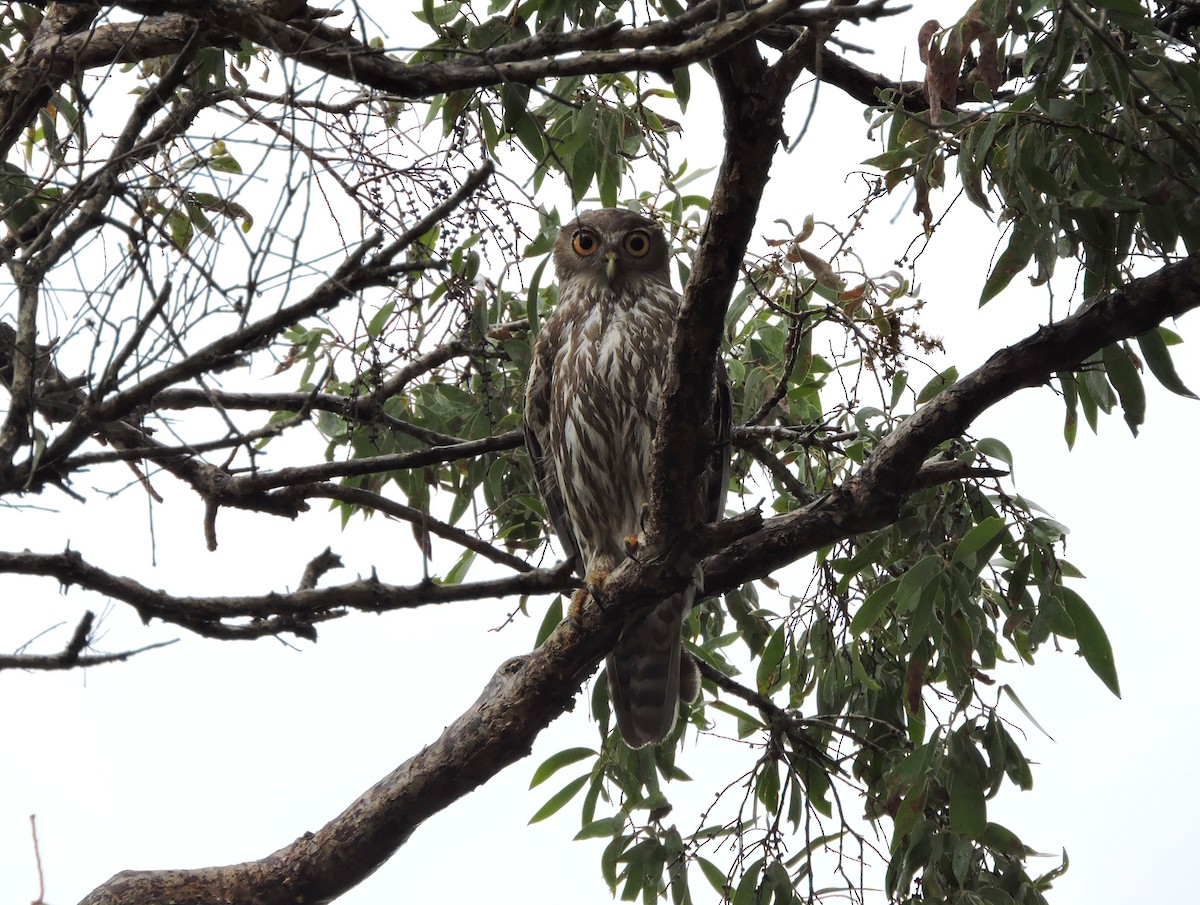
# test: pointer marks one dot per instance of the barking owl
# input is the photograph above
(591, 407)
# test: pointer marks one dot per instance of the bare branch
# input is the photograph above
(317, 567)
(273, 613)
(73, 656)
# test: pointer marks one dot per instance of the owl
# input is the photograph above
(591, 409)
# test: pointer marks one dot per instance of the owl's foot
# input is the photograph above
(593, 581)
(575, 610)
(591, 587)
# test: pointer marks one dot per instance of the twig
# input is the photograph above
(72, 655)
(37, 857)
(356, 496)
(318, 566)
(778, 469)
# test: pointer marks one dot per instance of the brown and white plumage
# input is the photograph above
(591, 408)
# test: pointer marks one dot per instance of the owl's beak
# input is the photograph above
(611, 267)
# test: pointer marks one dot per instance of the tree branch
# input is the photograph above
(752, 100)
(271, 614)
(336, 53)
(73, 656)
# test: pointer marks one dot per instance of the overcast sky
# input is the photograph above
(209, 752)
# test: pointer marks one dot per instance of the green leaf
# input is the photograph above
(994, 895)
(556, 762)
(559, 798)
(745, 720)
(860, 671)
(939, 383)
(716, 877)
(1093, 641)
(1098, 165)
(1043, 882)
(772, 656)
(968, 809)
(602, 828)
(1011, 262)
(460, 569)
(1016, 764)
(868, 614)
(960, 862)
(1125, 380)
(583, 168)
(1012, 695)
(554, 615)
(1122, 6)
(1002, 839)
(915, 580)
(1158, 359)
(899, 382)
(747, 890)
(1070, 391)
(994, 449)
(976, 539)
(379, 321)
(608, 860)
(766, 787)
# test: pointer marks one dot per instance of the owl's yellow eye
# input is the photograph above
(584, 242)
(637, 243)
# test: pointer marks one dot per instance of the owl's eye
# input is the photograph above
(584, 242)
(637, 243)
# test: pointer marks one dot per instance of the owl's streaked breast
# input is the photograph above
(608, 375)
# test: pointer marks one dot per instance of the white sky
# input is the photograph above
(211, 752)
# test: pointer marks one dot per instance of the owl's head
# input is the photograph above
(612, 249)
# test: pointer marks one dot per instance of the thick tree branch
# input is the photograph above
(522, 698)
(336, 53)
(69, 40)
(752, 100)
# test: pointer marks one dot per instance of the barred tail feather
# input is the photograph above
(644, 673)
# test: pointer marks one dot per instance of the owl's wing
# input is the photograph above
(536, 424)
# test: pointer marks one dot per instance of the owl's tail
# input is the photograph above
(648, 672)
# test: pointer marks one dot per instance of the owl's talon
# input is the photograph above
(591, 587)
(631, 545)
(593, 581)
(575, 609)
